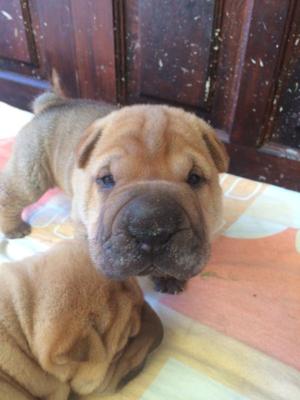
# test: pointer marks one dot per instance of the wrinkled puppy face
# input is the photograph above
(150, 193)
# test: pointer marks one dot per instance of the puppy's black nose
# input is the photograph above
(152, 239)
(152, 220)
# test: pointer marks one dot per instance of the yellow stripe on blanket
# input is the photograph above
(197, 363)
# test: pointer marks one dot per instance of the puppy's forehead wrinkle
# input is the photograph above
(155, 128)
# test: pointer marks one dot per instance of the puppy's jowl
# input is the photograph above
(143, 181)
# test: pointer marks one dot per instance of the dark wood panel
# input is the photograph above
(53, 28)
(95, 51)
(287, 105)
(15, 31)
(252, 38)
(73, 36)
(77, 39)
(269, 164)
(287, 128)
(170, 47)
(258, 165)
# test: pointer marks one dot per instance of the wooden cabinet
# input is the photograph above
(236, 63)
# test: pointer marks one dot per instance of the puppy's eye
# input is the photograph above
(106, 181)
(195, 180)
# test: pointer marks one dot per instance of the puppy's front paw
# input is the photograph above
(168, 285)
(23, 229)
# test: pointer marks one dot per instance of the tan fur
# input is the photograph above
(64, 327)
(149, 144)
(147, 148)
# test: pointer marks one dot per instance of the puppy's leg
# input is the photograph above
(61, 393)
(21, 184)
(12, 203)
(12, 391)
(168, 285)
(133, 359)
(9, 391)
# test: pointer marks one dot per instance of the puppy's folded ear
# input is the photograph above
(88, 142)
(216, 149)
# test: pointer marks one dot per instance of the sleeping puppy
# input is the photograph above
(143, 181)
(65, 328)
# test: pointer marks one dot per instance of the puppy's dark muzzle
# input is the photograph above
(152, 220)
(154, 228)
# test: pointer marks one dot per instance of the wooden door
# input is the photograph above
(233, 62)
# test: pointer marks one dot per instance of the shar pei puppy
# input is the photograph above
(65, 328)
(143, 181)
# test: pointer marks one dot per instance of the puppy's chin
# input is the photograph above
(119, 258)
